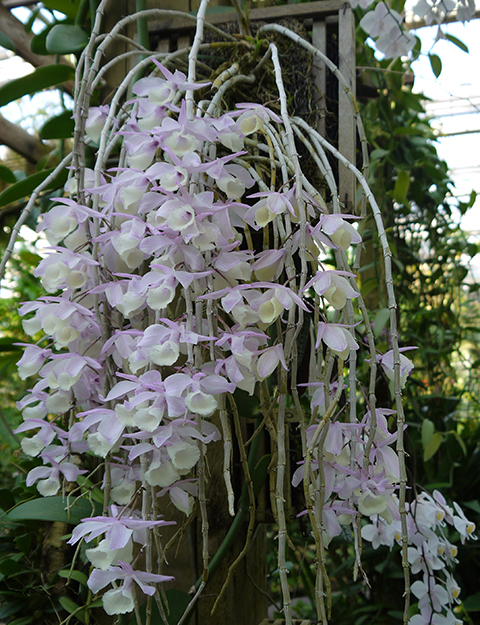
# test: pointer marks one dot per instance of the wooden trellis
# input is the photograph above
(326, 19)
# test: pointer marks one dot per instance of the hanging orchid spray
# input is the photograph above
(161, 307)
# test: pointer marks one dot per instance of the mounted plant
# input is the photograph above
(187, 267)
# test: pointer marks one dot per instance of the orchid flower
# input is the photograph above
(96, 121)
(118, 529)
(120, 600)
(406, 365)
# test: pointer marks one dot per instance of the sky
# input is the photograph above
(456, 108)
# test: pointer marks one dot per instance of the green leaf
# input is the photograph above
(78, 576)
(24, 542)
(7, 500)
(177, 602)
(71, 607)
(464, 206)
(432, 447)
(472, 603)
(66, 7)
(381, 320)
(5, 434)
(436, 64)
(53, 509)
(417, 48)
(457, 42)
(6, 42)
(459, 440)
(473, 505)
(413, 101)
(395, 614)
(25, 187)
(65, 39)
(7, 175)
(30, 258)
(378, 153)
(59, 127)
(428, 429)
(9, 567)
(401, 186)
(8, 345)
(22, 621)
(11, 608)
(98, 603)
(408, 130)
(31, 20)
(38, 42)
(42, 78)
(94, 492)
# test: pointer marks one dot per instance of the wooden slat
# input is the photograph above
(318, 9)
(184, 41)
(164, 45)
(319, 40)
(346, 121)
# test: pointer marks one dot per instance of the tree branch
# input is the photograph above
(22, 142)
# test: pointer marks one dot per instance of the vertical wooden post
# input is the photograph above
(184, 42)
(245, 600)
(117, 73)
(319, 40)
(163, 45)
(346, 121)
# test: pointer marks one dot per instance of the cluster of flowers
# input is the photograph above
(341, 484)
(385, 25)
(140, 393)
(122, 529)
(436, 12)
(158, 307)
(430, 554)
(350, 486)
